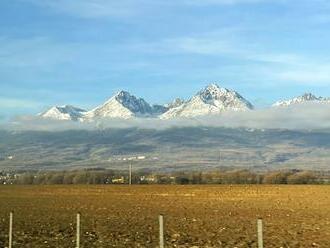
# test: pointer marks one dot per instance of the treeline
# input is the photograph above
(69, 177)
(248, 177)
(145, 177)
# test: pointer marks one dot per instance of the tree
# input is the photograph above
(26, 179)
(278, 177)
(68, 178)
(80, 178)
(56, 178)
(304, 177)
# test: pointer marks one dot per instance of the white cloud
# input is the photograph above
(15, 103)
(37, 51)
(310, 75)
(221, 45)
(227, 42)
(224, 2)
(43, 54)
(127, 8)
(296, 117)
(269, 64)
(93, 8)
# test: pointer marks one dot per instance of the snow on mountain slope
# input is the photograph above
(159, 109)
(176, 103)
(66, 112)
(123, 105)
(307, 97)
(209, 101)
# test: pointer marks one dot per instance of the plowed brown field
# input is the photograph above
(195, 216)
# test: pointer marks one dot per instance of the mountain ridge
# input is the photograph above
(211, 100)
(306, 97)
(121, 105)
(65, 112)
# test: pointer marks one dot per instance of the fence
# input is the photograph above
(161, 231)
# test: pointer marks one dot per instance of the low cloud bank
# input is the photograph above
(296, 117)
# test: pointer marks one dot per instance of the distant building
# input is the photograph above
(119, 180)
(149, 179)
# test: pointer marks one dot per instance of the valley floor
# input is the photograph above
(195, 216)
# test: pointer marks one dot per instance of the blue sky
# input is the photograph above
(80, 52)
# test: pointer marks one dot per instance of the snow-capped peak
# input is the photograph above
(121, 105)
(211, 100)
(66, 112)
(217, 95)
(134, 104)
(213, 90)
(307, 97)
(175, 103)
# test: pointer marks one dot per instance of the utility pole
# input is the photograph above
(220, 158)
(130, 174)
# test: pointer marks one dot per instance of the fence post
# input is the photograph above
(161, 231)
(260, 234)
(78, 231)
(11, 230)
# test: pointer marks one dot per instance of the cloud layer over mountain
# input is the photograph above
(295, 117)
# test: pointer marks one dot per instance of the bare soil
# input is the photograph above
(195, 216)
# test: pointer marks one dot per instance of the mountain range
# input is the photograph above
(308, 97)
(67, 112)
(124, 105)
(212, 100)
